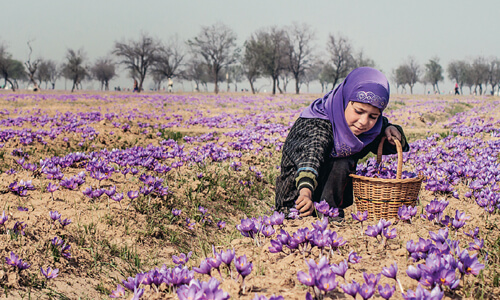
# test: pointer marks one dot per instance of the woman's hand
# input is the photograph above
(304, 203)
(392, 133)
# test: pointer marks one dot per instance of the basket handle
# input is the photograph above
(400, 155)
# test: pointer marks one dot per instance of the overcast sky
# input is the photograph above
(387, 31)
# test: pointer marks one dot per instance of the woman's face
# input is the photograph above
(361, 117)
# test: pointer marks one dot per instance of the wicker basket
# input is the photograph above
(383, 197)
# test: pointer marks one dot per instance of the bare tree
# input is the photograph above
(197, 71)
(359, 60)
(494, 73)
(251, 61)
(234, 74)
(74, 68)
(103, 71)
(168, 62)
(340, 52)
(479, 73)
(47, 72)
(300, 51)
(407, 74)
(311, 74)
(433, 73)
(9, 68)
(272, 46)
(138, 56)
(32, 66)
(325, 76)
(217, 45)
(457, 71)
(399, 76)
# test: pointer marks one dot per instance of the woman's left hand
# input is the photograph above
(392, 133)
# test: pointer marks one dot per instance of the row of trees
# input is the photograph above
(281, 54)
(475, 74)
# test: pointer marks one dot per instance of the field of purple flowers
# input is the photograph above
(161, 196)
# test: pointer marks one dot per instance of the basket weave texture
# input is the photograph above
(383, 197)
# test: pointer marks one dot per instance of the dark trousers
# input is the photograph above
(335, 184)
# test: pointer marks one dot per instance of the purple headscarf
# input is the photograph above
(366, 85)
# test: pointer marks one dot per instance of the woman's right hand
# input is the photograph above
(304, 203)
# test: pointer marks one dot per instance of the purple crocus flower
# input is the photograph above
(227, 256)
(353, 257)
(391, 271)
(366, 291)
(414, 273)
(268, 231)
(322, 207)
(182, 259)
(276, 246)
(360, 216)
(176, 212)
(472, 233)
(340, 269)
(65, 222)
(202, 210)
(372, 231)
(204, 268)
(3, 218)
(138, 292)
(387, 291)
(294, 214)
(389, 233)
(54, 215)
(277, 218)
(117, 197)
(133, 194)
(13, 260)
(118, 293)
(351, 288)
(371, 279)
(468, 264)
(247, 227)
(476, 245)
(49, 273)
(221, 224)
(305, 278)
(52, 187)
(326, 282)
(243, 266)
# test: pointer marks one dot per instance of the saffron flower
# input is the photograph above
(65, 222)
(353, 257)
(221, 224)
(49, 273)
(182, 259)
(387, 291)
(118, 293)
(351, 288)
(54, 215)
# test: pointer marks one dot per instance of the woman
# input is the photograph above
(326, 141)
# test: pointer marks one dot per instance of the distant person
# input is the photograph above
(170, 85)
(456, 89)
(326, 141)
(136, 86)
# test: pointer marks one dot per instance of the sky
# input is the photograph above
(389, 32)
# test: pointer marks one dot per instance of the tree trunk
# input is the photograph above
(216, 75)
(297, 86)
(278, 85)
(11, 84)
(252, 87)
(274, 85)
